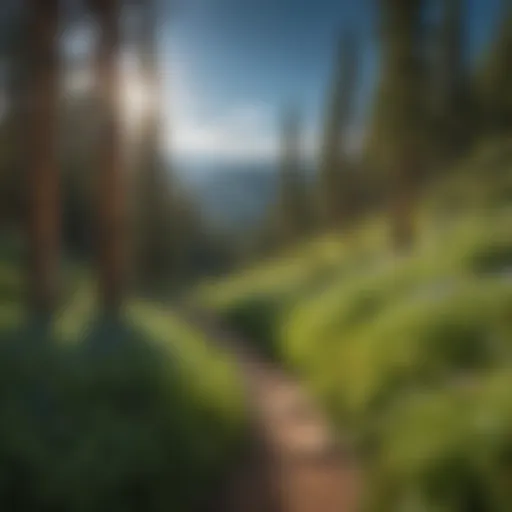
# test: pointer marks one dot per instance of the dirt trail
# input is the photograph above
(296, 463)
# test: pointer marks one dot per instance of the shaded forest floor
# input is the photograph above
(294, 461)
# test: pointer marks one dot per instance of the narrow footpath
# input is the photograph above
(295, 462)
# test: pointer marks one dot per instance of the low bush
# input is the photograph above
(419, 341)
(448, 449)
(133, 415)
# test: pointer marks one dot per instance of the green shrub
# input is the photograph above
(494, 256)
(256, 302)
(480, 244)
(349, 302)
(129, 416)
(390, 344)
(447, 450)
(256, 318)
(313, 334)
(424, 341)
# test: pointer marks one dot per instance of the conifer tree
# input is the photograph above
(495, 80)
(452, 129)
(156, 234)
(14, 67)
(111, 207)
(396, 143)
(292, 211)
(334, 185)
(40, 109)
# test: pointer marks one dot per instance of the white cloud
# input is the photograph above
(247, 131)
(244, 132)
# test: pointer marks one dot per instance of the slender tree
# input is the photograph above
(397, 136)
(43, 176)
(333, 181)
(292, 213)
(495, 79)
(156, 234)
(453, 117)
(111, 207)
(14, 67)
(78, 146)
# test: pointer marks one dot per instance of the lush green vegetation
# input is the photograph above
(407, 343)
(411, 354)
(138, 414)
(255, 300)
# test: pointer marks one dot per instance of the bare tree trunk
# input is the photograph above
(43, 175)
(111, 222)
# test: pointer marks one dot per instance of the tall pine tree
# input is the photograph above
(453, 116)
(334, 183)
(292, 217)
(155, 233)
(111, 222)
(40, 106)
(396, 142)
(495, 79)
(15, 69)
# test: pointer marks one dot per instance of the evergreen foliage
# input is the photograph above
(334, 172)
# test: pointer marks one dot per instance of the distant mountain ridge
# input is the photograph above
(232, 196)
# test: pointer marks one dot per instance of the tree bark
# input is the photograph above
(43, 175)
(111, 221)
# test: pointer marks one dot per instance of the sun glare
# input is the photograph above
(136, 100)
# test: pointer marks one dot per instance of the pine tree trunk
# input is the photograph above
(43, 174)
(111, 221)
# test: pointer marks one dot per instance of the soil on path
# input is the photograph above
(295, 462)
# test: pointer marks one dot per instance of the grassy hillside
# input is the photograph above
(406, 352)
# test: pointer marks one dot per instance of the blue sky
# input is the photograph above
(231, 67)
